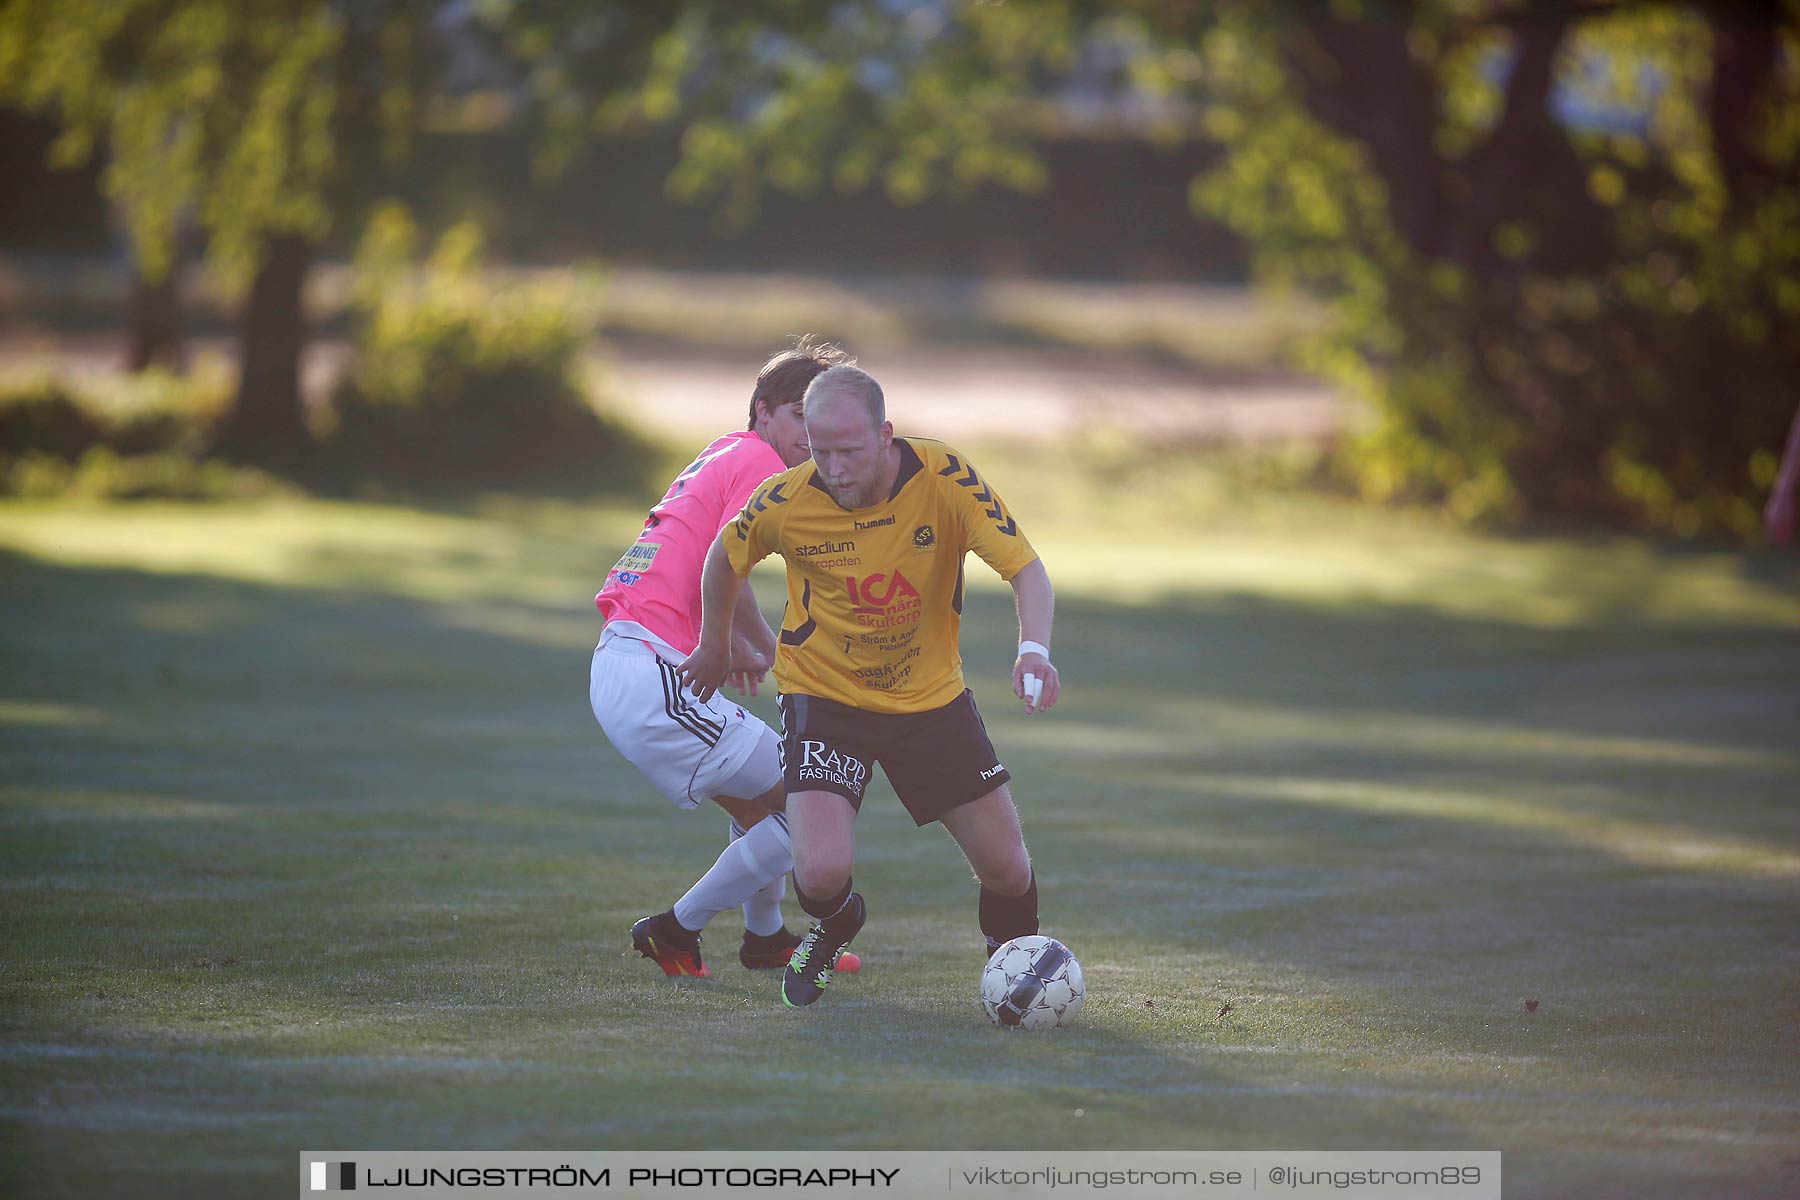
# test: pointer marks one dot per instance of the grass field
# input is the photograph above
(309, 841)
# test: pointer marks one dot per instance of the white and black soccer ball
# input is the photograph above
(1032, 983)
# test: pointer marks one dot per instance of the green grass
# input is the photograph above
(309, 841)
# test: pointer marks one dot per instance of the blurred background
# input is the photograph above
(1520, 265)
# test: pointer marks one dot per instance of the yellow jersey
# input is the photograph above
(875, 595)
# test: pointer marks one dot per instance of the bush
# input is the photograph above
(458, 385)
(42, 416)
(100, 474)
(123, 437)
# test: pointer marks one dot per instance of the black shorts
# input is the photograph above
(936, 760)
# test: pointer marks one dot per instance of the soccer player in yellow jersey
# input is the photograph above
(874, 530)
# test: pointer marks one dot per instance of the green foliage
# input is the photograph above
(42, 416)
(122, 437)
(130, 414)
(462, 383)
(1620, 351)
(799, 97)
(100, 474)
(1543, 314)
(208, 110)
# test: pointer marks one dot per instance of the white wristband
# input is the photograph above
(1033, 648)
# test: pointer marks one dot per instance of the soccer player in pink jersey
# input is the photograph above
(712, 750)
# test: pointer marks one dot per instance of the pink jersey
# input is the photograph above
(657, 582)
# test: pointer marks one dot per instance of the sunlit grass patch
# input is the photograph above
(307, 837)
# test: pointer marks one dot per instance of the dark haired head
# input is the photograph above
(784, 378)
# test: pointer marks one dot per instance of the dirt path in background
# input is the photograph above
(968, 394)
(957, 393)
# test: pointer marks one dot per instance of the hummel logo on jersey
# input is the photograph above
(877, 523)
(985, 497)
(993, 770)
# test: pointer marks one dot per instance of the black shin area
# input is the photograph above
(821, 908)
(1004, 918)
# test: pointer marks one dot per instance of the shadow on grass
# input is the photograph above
(1372, 721)
(404, 825)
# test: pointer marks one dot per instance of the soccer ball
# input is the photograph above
(1032, 983)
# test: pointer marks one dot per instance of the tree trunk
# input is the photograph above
(1359, 79)
(268, 426)
(153, 313)
(1746, 57)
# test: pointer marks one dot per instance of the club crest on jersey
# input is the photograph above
(924, 538)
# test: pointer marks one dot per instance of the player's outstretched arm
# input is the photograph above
(753, 643)
(1035, 680)
(749, 626)
(705, 669)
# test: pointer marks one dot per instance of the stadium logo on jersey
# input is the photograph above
(819, 548)
(924, 538)
(819, 763)
(875, 524)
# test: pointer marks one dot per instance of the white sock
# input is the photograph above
(762, 912)
(748, 865)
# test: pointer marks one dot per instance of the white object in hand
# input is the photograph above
(1034, 688)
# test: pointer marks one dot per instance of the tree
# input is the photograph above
(270, 122)
(842, 94)
(261, 122)
(1563, 239)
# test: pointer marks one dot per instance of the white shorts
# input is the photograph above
(689, 750)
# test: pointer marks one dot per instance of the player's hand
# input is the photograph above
(704, 670)
(1037, 666)
(748, 667)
